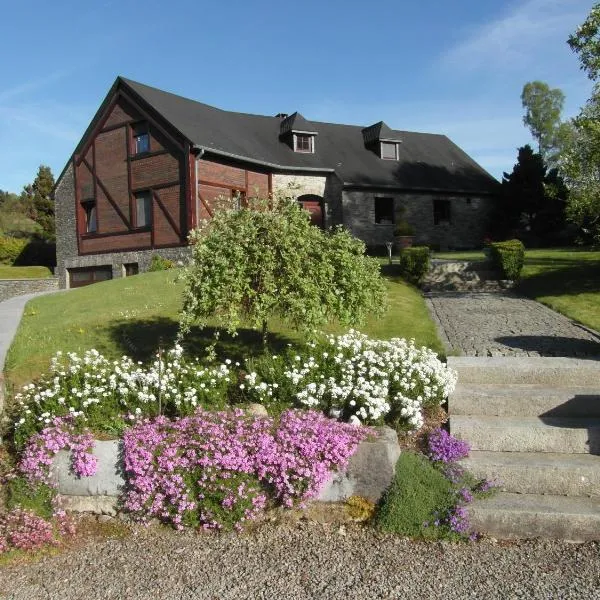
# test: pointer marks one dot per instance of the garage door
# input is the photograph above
(88, 275)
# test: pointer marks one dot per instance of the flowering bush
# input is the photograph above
(357, 378)
(102, 394)
(42, 447)
(214, 469)
(24, 530)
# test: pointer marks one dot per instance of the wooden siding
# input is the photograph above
(108, 172)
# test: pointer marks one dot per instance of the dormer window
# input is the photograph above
(389, 150)
(141, 138)
(303, 142)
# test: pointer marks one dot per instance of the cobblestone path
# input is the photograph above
(503, 324)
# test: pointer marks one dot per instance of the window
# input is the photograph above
(303, 142)
(143, 209)
(141, 138)
(239, 199)
(131, 269)
(389, 150)
(384, 211)
(441, 212)
(91, 224)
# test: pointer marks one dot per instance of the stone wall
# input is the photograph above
(18, 287)
(470, 217)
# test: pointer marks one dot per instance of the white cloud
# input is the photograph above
(517, 37)
(31, 85)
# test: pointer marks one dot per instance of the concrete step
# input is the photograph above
(528, 434)
(509, 515)
(539, 472)
(549, 371)
(527, 400)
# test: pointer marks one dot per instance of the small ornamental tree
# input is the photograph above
(253, 264)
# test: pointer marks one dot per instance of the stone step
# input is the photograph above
(539, 472)
(549, 371)
(527, 400)
(528, 434)
(507, 515)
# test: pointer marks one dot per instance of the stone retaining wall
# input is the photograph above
(18, 287)
(369, 473)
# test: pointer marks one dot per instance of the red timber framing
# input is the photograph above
(218, 181)
(107, 171)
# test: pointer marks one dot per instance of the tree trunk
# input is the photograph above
(265, 335)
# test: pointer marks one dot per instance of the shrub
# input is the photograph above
(417, 497)
(255, 264)
(36, 497)
(414, 263)
(10, 248)
(37, 252)
(404, 228)
(106, 395)
(24, 530)
(509, 257)
(158, 263)
(356, 378)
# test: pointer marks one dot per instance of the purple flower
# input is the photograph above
(442, 447)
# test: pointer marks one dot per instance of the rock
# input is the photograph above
(369, 472)
(108, 480)
(257, 410)
(99, 505)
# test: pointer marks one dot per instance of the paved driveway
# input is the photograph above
(504, 324)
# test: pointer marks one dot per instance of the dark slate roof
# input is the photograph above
(296, 122)
(426, 161)
(378, 131)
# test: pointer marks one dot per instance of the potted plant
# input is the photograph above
(404, 234)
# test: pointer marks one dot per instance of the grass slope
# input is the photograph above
(134, 315)
(8, 272)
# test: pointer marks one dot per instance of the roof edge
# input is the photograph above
(401, 188)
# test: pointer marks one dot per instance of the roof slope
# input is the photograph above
(426, 161)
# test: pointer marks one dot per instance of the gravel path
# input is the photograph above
(307, 560)
(503, 324)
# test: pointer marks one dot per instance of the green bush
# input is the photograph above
(416, 497)
(414, 263)
(28, 496)
(10, 249)
(37, 252)
(509, 257)
(158, 263)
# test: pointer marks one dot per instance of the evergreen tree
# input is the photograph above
(38, 200)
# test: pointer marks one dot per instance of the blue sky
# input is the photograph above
(446, 67)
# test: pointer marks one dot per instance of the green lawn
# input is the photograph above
(565, 279)
(8, 272)
(133, 315)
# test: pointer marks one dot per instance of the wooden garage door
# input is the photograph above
(88, 275)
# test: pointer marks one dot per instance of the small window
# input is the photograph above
(141, 138)
(143, 209)
(384, 211)
(239, 199)
(389, 150)
(303, 142)
(441, 212)
(91, 224)
(131, 269)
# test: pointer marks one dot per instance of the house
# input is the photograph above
(152, 164)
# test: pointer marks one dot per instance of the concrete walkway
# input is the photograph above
(505, 324)
(11, 311)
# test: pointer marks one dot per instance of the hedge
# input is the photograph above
(11, 248)
(509, 257)
(414, 263)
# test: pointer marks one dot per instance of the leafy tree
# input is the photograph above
(38, 202)
(543, 106)
(585, 42)
(532, 199)
(254, 264)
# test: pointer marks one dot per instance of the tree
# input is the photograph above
(581, 163)
(585, 42)
(254, 264)
(532, 199)
(543, 106)
(38, 203)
